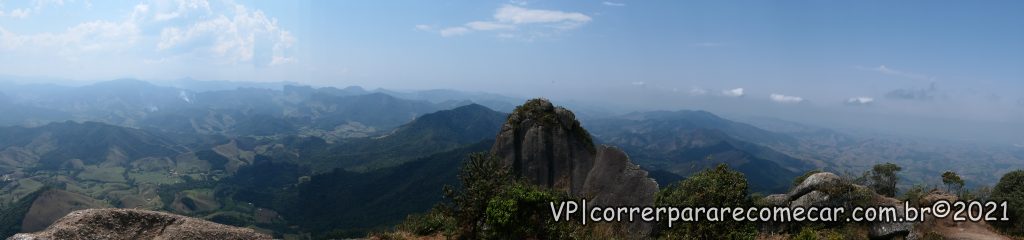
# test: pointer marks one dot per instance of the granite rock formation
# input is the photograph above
(116, 224)
(546, 146)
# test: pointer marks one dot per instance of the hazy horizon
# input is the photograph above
(948, 70)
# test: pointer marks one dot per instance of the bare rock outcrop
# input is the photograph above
(116, 224)
(547, 146)
(827, 189)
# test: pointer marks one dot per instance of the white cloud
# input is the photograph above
(735, 92)
(860, 100)
(785, 99)
(638, 83)
(424, 27)
(19, 13)
(509, 19)
(696, 91)
(613, 4)
(893, 72)
(84, 37)
(488, 26)
(169, 10)
(39, 4)
(520, 15)
(222, 33)
(238, 35)
(454, 31)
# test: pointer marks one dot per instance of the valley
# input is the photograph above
(328, 163)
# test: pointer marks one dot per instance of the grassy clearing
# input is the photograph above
(102, 174)
(196, 200)
(154, 178)
(23, 188)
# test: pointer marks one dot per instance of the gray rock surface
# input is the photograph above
(814, 182)
(828, 189)
(117, 224)
(547, 146)
(892, 230)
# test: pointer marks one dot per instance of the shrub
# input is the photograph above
(1011, 189)
(427, 224)
(883, 178)
(914, 195)
(806, 234)
(493, 205)
(953, 182)
(721, 186)
(522, 211)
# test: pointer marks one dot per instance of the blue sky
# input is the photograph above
(838, 62)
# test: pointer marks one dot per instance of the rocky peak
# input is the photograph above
(136, 224)
(547, 146)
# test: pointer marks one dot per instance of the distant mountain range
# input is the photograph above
(297, 160)
(239, 112)
(685, 142)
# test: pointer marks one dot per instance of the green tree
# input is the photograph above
(883, 178)
(482, 177)
(719, 186)
(1011, 189)
(914, 195)
(493, 205)
(522, 211)
(952, 181)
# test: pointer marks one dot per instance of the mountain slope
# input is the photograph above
(701, 119)
(685, 142)
(237, 112)
(431, 133)
(90, 142)
(378, 198)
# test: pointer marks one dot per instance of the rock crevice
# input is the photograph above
(547, 146)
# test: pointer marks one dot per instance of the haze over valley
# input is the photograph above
(327, 120)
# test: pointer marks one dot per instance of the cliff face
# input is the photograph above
(547, 146)
(136, 224)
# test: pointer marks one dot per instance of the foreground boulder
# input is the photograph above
(546, 146)
(116, 224)
(827, 189)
